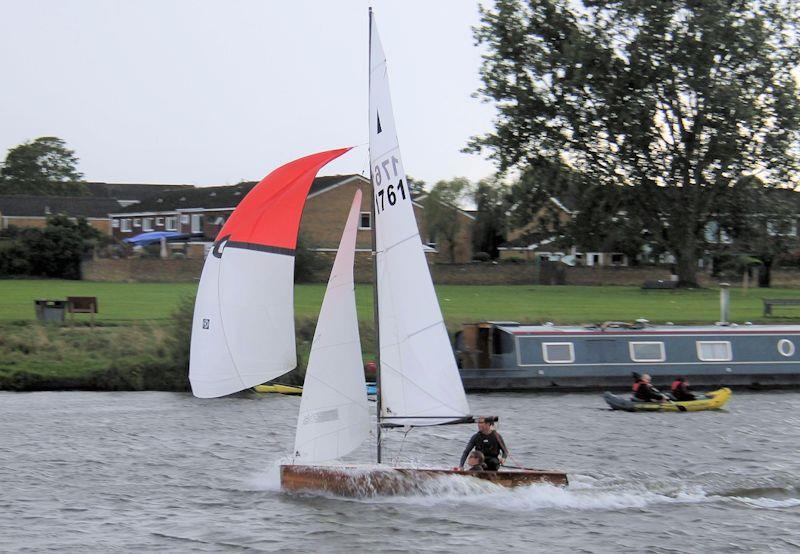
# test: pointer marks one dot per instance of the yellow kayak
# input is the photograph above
(713, 400)
(282, 389)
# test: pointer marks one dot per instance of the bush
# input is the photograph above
(481, 257)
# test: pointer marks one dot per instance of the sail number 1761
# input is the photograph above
(389, 194)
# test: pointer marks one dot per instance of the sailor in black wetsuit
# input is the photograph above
(643, 391)
(490, 443)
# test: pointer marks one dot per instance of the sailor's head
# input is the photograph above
(646, 377)
(475, 458)
(485, 424)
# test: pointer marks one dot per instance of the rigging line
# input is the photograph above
(386, 249)
(402, 443)
(331, 387)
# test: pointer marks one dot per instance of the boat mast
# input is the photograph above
(374, 271)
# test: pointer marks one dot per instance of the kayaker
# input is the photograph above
(488, 442)
(680, 390)
(643, 391)
(475, 461)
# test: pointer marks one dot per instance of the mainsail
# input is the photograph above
(334, 414)
(243, 326)
(419, 379)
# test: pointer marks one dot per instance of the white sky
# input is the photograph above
(211, 92)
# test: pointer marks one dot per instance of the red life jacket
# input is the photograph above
(677, 385)
(636, 385)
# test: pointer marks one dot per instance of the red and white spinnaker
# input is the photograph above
(243, 326)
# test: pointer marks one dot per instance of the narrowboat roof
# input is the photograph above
(615, 328)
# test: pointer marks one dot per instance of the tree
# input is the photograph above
(441, 212)
(491, 203)
(44, 166)
(675, 100)
(759, 220)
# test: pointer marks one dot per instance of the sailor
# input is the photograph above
(680, 390)
(643, 391)
(489, 443)
(475, 461)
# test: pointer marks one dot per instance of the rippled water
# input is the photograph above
(105, 472)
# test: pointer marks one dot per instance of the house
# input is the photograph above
(129, 193)
(33, 211)
(542, 240)
(201, 213)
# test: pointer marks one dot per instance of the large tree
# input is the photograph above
(44, 166)
(491, 207)
(441, 212)
(674, 99)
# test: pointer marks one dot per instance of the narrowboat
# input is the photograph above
(511, 356)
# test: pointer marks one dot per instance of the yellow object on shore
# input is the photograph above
(282, 389)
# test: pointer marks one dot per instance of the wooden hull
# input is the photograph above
(360, 481)
(714, 401)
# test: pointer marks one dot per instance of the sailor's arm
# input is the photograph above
(503, 447)
(468, 449)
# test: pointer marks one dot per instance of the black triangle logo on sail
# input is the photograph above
(379, 122)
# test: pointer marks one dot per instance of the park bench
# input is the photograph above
(82, 305)
(660, 285)
(770, 302)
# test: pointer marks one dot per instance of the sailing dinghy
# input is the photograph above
(243, 326)
(418, 383)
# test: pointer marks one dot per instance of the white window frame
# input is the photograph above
(549, 361)
(184, 219)
(147, 224)
(137, 221)
(159, 222)
(791, 349)
(115, 223)
(125, 225)
(727, 343)
(173, 226)
(197, 223)
(361, 218)
(632, 351)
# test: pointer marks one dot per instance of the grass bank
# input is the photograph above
(136, 302)
(141, 339)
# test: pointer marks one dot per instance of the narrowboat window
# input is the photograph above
(786, 347)
(558, 352)
(647, 351)
(714, 351)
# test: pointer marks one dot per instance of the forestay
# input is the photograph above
(419, 380)
(243, 326)
(334, 413)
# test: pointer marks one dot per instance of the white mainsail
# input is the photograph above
(334, 414)
(419, 380)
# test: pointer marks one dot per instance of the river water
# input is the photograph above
(100, 472)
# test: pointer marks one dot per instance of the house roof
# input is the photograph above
(129, 191)
(42, 206)
(214, 197)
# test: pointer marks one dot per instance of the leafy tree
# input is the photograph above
(441, 212)
(674, 99)
(44, 166)
(758, 219)
(491, 202)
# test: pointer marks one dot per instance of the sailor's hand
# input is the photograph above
(457, 468)
(502, 461)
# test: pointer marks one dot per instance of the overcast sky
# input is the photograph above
(211, 92)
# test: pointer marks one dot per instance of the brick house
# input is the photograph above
(33, 211)
(201, 213)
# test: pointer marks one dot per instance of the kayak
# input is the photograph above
(282, 389)
(713, 400)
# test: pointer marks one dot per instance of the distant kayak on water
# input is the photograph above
(713, 400)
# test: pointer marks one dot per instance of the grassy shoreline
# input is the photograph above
(139, 343)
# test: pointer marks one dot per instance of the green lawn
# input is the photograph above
(123, 302)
